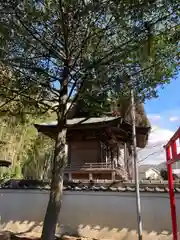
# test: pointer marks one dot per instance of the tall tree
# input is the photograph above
(55, 50)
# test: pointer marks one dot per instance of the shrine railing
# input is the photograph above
(94, 166)
(97, 166)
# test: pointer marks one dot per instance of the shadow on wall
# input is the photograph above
(115, 213)
(95, 214)
(23, 227)
(34, 229)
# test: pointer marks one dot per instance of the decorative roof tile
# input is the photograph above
(150, 187)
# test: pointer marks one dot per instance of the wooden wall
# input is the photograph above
(81, 152)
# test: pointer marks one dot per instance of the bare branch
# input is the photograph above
(149, 155)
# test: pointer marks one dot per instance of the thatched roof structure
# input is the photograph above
(121, 108)
(141, 117)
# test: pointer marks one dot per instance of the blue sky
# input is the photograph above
(164, 115)
(165, 110)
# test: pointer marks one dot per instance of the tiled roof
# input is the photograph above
(73, 121)
(5, 163)
(145, 186)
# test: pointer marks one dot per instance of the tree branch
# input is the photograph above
(22, 93)
(116, 49)
(149, 155)
(53, 51)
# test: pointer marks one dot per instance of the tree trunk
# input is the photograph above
(60, 158)
(59, 163)
(55, 200)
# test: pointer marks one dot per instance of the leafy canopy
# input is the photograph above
(106, 46)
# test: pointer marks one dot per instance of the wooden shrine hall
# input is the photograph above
(98, 148)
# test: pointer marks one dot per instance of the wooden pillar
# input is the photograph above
(90, 176)
(125, 154)
(113, 176)
(112, 160)
(106, 155)
(70, 176)
(69, 152)
(101, 152)
(126, 159)
(118, 153)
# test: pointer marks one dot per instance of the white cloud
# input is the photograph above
(154, 117)
(154, 153)
(174, 119)
(159, 135)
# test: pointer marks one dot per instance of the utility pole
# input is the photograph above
(136, 172)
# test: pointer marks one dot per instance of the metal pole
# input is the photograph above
(136, 173)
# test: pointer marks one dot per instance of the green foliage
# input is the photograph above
(39, 157)
(102, 43)
(28, 152)
(164, 175)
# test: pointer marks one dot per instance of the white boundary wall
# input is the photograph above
(97, 214)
